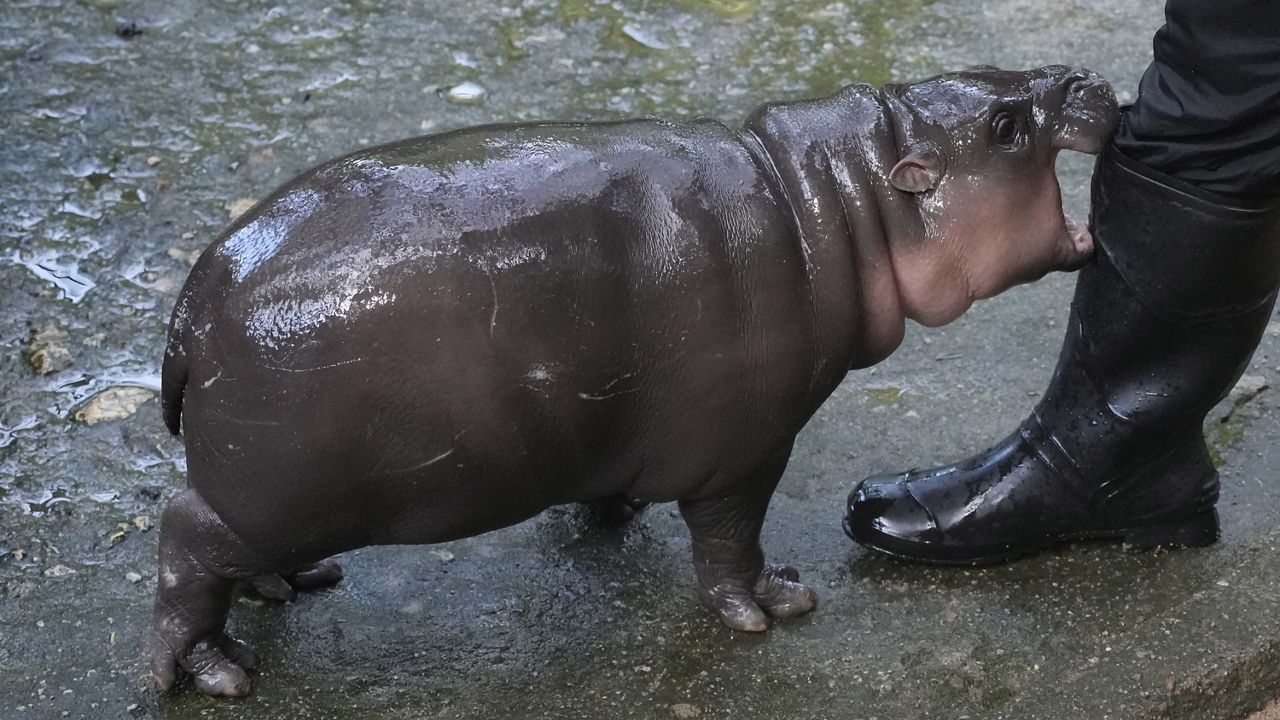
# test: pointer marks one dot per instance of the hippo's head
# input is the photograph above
(976, 152)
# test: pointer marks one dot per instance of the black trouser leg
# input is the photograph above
(1208, 106)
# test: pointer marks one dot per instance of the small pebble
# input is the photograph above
(133, 577)
(237, 207)
(129, 29)
(47, 350)
(114, 403)
(153, 161)
(180, 254)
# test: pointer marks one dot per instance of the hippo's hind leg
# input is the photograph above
(200, 561)
(286, 586)
(733, 579)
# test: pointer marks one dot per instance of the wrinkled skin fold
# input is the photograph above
(444, 336)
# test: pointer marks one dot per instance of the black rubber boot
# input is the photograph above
(1163, 323)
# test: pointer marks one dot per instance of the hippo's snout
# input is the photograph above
(1089, 112)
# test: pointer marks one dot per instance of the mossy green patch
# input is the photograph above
(1222, 435)
(884, 395)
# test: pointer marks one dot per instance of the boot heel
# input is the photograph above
(1196, 531)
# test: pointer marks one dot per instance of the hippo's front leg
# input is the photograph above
(732, 577)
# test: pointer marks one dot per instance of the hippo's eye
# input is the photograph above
(1004, 128)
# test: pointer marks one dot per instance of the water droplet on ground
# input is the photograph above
(644, 36)
(466, 93)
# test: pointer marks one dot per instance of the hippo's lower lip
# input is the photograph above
(1080, 236)
(1080, 242)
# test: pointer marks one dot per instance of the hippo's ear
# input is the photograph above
(917, 172)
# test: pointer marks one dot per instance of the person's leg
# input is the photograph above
(1164, 320)
(1208, 108)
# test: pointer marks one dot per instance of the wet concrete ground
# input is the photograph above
(133, 130)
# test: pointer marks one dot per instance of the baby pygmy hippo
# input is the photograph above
(443, 336)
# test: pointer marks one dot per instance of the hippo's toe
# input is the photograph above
(737, 609)
(286, 586)
(616, 510)
(780, 593)
(316, 576)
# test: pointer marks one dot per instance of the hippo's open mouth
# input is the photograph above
(1076, 245)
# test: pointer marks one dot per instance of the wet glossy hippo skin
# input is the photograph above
(443, 336)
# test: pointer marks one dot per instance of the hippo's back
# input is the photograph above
(560, 208)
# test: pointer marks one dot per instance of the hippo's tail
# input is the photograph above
(173, 373)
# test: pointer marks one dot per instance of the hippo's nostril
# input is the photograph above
(1077, 83)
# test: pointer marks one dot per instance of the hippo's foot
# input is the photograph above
(285, 587)
(200, 561)
(732, 577)
(217, 665)
(616, 510)
(778, 593)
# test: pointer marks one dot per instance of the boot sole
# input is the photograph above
(1199, 530)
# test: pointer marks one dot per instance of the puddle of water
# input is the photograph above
(39, 504)
(9, 435)
(66, 276)
(47, 501)
(73, 390)
(144, 466)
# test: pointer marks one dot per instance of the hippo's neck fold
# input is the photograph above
(831, 159)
